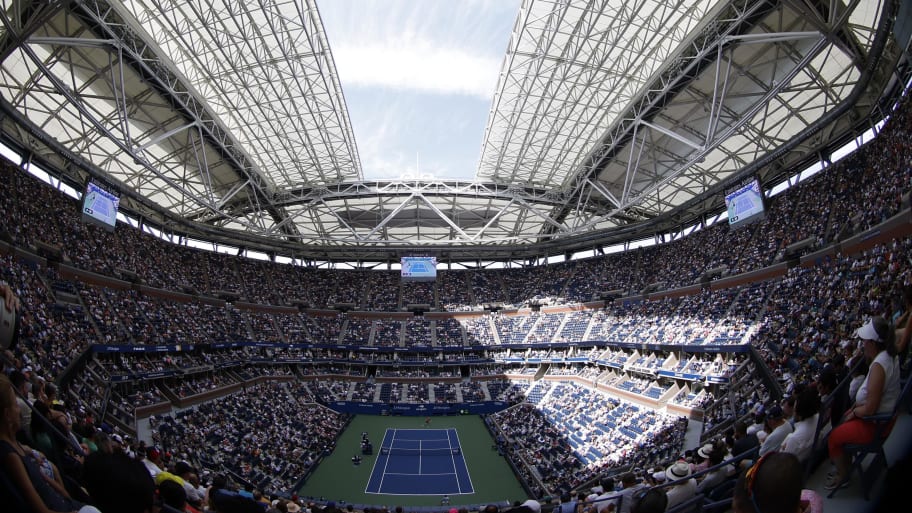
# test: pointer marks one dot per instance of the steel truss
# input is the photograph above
(610, 115)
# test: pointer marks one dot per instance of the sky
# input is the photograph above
(418, 78)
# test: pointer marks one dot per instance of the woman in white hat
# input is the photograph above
(877, 394)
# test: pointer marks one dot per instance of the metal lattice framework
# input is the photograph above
(226, 120)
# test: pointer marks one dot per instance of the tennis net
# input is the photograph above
(445, 451)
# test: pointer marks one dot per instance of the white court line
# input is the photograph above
(374, 467)
(379, 488)
(453, 459)
(461, 455)
(407, 474)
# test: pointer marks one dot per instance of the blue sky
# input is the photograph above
(418, 77)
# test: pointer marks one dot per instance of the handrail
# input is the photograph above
(748, 454)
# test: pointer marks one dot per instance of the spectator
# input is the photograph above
(568, 503)
(778, 429)
(650, 500)
(684, 489)
(630, 488)
(772, 485)
(153, 462)
(41, 493)
(602, 500)
(877, 394)
(859, 372)
(10, 300)
(828, 388)
(744, 441)
(759, 423)
(903, 322)
(800, 441)
(788, 408)
(194, 494)
(25, 412)
(172, 494)
(715, 477)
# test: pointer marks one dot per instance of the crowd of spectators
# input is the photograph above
(802, 325)
(575, 433)
(263, 434)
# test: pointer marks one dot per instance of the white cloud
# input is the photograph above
(434, 46)
(422, 67)
(418, 78)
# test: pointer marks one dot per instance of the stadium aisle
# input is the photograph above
(692, 437)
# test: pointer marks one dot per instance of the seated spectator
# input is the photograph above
(878, 394)
(236, 504)
(859, 372)
(43, 494)
(778, 428)
(631, 487)
(172, 494)
(25, 412)
(153, 462)
(650, 500)
(600, 496)
(759, 423)
(744, 441)
(788, 408)
(568, 503)
(772, 485)
(701, 458)
(10, 300)
(714, 477)
(118, 483)
(800, 441)
(903, 322)
(684, 489)
(194, 494)
(828, 388)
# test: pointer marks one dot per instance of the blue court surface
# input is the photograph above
(420, 462)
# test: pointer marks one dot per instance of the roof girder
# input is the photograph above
(636, 119)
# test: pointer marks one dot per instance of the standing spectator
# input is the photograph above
(878, 394)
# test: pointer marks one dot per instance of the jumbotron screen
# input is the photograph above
(745, 204)
(99, 206)
(419, 268)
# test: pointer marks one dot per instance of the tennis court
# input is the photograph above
(420, 462)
